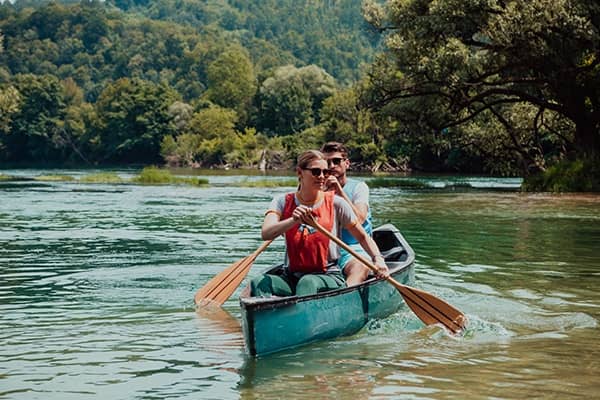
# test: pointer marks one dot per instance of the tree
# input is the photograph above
(133, 117)
(290, 99)
(210, 138)
(231, 81)
(34, 133)
(528, 65)
(10, 103)
(347, 122)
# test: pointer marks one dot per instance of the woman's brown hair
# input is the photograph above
(307, 157)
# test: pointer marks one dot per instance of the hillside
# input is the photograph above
(203, 83)
(331, 34)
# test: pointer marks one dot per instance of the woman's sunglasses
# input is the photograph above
(335, 161)
(318, 171)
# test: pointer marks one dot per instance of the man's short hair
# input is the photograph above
(335, 147)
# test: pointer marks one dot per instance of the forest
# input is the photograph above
(508, 88)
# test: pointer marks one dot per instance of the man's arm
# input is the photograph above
(360, 208)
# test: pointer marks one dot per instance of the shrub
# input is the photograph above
(157, 176)
(54, 178)
(567, 176)
(102, 177)
(397, 183)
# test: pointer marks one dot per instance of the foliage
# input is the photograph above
(102, 177)
(581, 175)
(10, 103)
(126, 89)
(331, 34)
(290, 99)
(231, 81)
(209, 138)
(397, 183)
(54, 178)
(267, 183)
(35, 119)
(133, 117)
(531, 67)
(311, 138)
(153, 175)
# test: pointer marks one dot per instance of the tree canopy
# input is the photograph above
(503, 77)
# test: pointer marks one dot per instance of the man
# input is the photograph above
(356, 193)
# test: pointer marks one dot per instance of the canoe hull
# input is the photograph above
(272, 325)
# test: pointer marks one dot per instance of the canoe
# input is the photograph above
(272, 324)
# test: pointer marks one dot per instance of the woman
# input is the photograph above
(310, 256)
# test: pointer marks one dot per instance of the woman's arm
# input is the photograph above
(273, 226)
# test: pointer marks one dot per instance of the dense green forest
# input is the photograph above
(186, 81)
(502, 87)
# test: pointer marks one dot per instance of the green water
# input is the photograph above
(97, 282)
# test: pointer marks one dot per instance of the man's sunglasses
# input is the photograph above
(318, 171)
(335, 161)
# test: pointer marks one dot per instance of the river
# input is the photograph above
(97, 284)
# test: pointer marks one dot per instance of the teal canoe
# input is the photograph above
(274, 324)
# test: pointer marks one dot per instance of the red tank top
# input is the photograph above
(307, 248)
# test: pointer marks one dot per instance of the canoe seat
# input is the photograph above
(397, 253)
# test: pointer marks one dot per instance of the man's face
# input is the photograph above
(337, 163)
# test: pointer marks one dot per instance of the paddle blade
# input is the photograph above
(221, 287)
(431, 309)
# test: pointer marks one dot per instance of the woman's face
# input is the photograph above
(314, 174)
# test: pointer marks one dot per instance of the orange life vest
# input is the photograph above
(307, 248)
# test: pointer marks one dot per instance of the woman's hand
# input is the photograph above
(303, 214)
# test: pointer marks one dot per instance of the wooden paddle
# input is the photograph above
(222, 286)
(429, 309)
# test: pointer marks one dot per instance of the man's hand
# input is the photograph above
(332, 184)
(383, 271)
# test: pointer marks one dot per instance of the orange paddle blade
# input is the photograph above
(221, 287)
(431, 309)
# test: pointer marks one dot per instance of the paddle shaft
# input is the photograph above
(426, 306)
(354, 253)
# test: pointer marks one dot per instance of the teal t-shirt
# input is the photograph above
(358, 192)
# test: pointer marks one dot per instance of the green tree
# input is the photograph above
(213, 122)
(34, 134)
(290, 99)
(133, 116)
(527, 65)
(207, 136)
(231, 81)
(346, 121)
(10, 104)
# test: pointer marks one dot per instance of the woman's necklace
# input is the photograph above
(309, 203)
